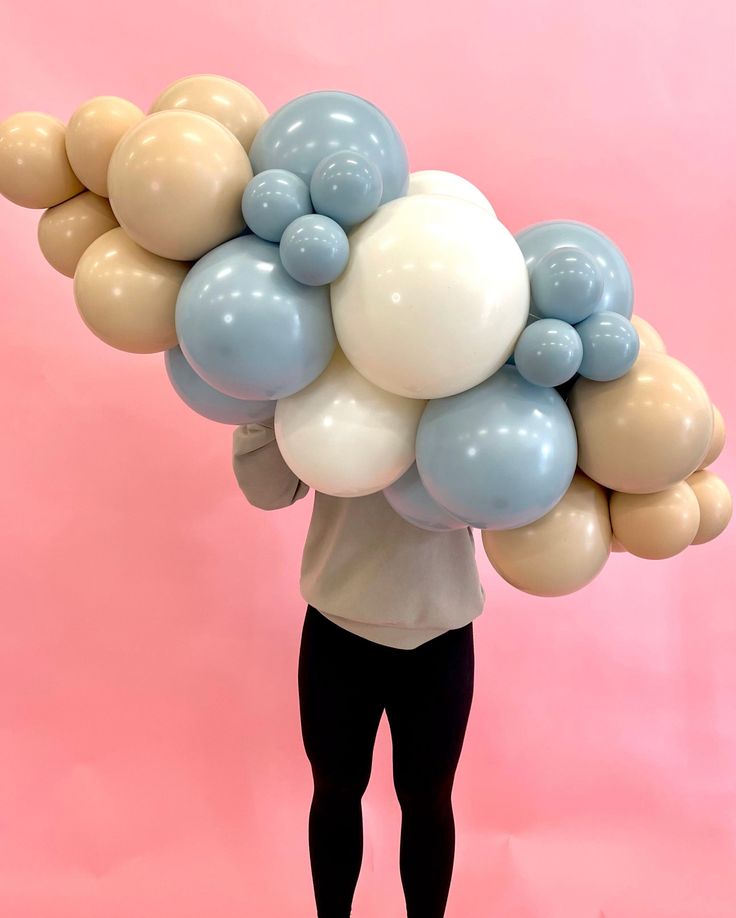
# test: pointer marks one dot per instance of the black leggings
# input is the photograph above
(345, 682)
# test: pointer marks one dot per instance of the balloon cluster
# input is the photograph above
(402, 339)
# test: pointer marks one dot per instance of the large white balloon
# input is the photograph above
(435, 181)
(433, 298)
(344, 436)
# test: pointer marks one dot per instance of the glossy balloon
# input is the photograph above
(649, 337)
(610, 346)
(247, 327)
(65, 231)
(717, 440)
(658, 525)
(347, 187)
(715, 502)
(499, 455)
(272, 200)
(548, 352)
(411, 500)
(567, 284)
(314, 250)
(435, 181)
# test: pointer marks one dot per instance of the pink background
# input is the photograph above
(150, 755)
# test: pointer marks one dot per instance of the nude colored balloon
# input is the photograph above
(34, 169)
(176, 181)
(343, 435)
(560, 552)
(616, 545)
(658, 525)
(65, 231)
(644, 431)
(225, 100)
(649, 337)
(435, 181)
(127, 295)
(716, 505)
(717, 441)
(93, 132)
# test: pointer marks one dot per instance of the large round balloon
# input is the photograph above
(433, 298)
(65, 231)
(301, 133)
(435, 181)
(344, 436)
(247, 327)
(646, 430)
(658, 525)
(563, 550)
(715, 502)
(499, 455)
(412, 501)
(176, 183)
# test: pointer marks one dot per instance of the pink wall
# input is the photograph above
(150, 755)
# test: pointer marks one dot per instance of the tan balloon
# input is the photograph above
(65, 231)
(717, 441)
(225, 100)
(344, 436)
(616, 545)
(127, 295)
(658, 525)
(176, 181)
(645, 431)
(93, 132)
(34, 169)
(649, 337)
(562, 551)
(716, 505)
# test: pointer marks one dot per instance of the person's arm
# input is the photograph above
(261, 472)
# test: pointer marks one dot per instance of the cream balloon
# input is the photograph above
(344, 436)
(716, 505)
(65, 231)
(34, 168)
(717, 441)
(644, 431)
(93, 132)
(126, 295)
(176, 181)
(649, 337)
(433, 298)
(435, 181)
(230, 103)
(658, 525)
(560, 552)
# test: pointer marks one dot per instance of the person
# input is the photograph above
(388, 626)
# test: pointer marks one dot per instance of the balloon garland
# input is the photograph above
(289, 267)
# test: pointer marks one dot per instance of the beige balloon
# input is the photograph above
(616, 545)
(344, 436)
(717, 441)
(560, 552)
(65, 231)
(716, 505)
(656, 526)
(34, 168)
(225, 100)
(127, 295)
(176, 182)
(93, 132)
(645, 431)
(649, 338)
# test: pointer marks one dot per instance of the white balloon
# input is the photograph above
(435, 181)
(344, 436)
(433, 298)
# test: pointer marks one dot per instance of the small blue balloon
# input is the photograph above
(548, 352)
(272, 199)
(411, 500)
(346, 186)
(610, 346)
(314, 250)
(566, 284)
(211, 403)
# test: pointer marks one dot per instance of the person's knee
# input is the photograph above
(339, 787)
(424, 792)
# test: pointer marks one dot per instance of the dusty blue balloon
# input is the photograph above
(538, 241)
(411, 500)
(499, 455)
(314, 250)
(211, 403)
(566, 284)
(346, 186)
(273, 199)
(247, 327)
(610, 346)
(548, 352)
(301, 133)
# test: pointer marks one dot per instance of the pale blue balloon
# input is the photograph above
(347, 187)
(211, 403)
(314, 250)
(567, 284)
(301, 133)
(548, 352)
(499, 455)
(610, 346)
(273, 199)
(411, 500)
(247, 327)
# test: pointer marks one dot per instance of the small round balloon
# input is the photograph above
(610, 346)
(347, 187)
(717, 441)
(649, 337)
(548, 352)
(658, 525)
(66, 230)
(715, 502)
(411, 500)
(314, 250)
(566, 284)
(272, 200)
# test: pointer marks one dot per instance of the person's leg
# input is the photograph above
(341, 704)
(428, 704)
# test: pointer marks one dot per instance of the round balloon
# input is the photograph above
(717, 441)
(567, 284)
(66, 230)
(435, 181)
(649, 337)
(433, 298)
(411, 500)
(610, 346)
(658, 525)
(272, 200)
(715, 502)
(314, 250)
(347, 187)
(548, 352)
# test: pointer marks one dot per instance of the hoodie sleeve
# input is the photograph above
(260, 470)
